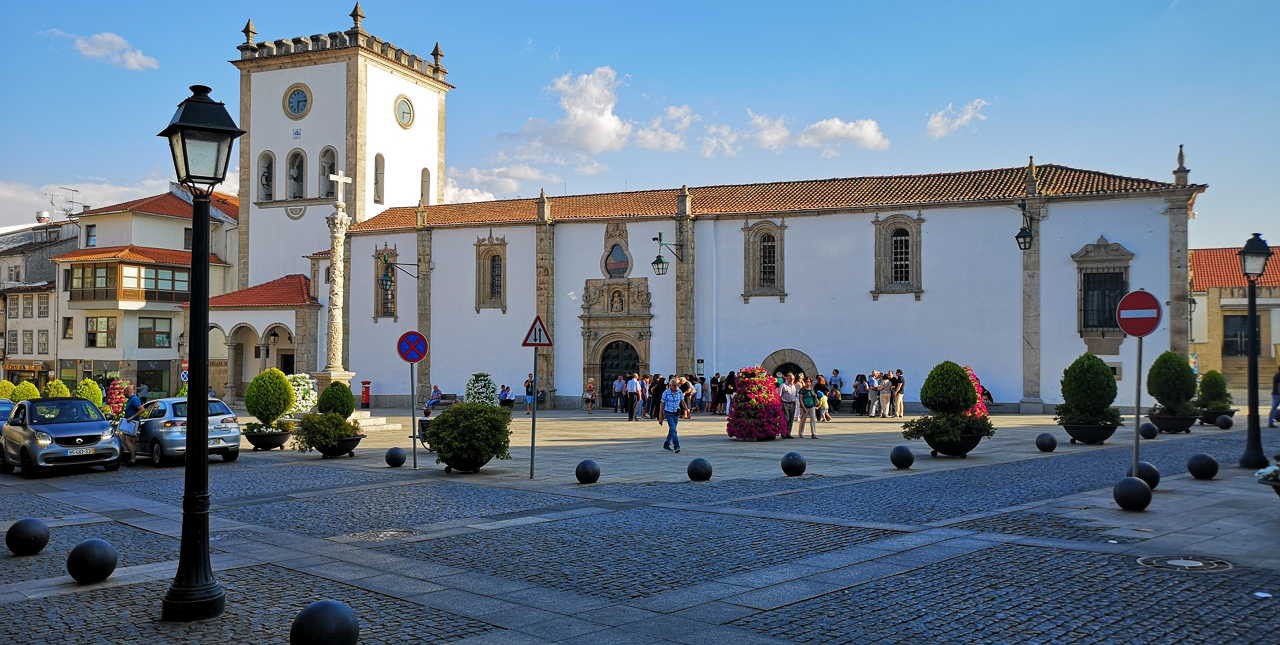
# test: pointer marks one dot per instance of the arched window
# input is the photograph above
(328, 166)
(379, 177)
(495, 276)
(897, 266)
(764, 261)
(296, 175)
(425, 189)
(266, 177)
(491, 278)
(900, 256)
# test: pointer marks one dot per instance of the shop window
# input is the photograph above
(155, 333)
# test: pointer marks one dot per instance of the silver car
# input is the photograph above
(162, 430)
(45, 433)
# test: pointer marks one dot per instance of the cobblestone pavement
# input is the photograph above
(1020, 594)
(231, 482)
(649, 550)
(716, 490)
(16, 505)
(1046, 525)
(134, 546)
(262, 603)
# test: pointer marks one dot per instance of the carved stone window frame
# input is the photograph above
(1103, 256)
(884, 229)
(486, 248)
(751, 235)
(380, 267)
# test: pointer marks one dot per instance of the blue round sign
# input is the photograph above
(412, 346)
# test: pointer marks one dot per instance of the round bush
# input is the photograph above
(901, 457)
(317, 430)
(24, 391)
(793, 464)
(467, 435)
(27, 537)
(1214, 396)
(1202, 466)
(1088, 384)
(269, 396)
(587, 472)
(56, 389)
(1173, 384)
(948, 390)
(395, 457)
(326, 622)
(6, 389)
(89, 390)
(92, 561)
(337, 399)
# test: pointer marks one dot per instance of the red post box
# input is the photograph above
(364, 394)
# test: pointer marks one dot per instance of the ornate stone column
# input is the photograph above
(424, 293)
(338, 222)
(1180, 205)
(685, 283)
(545, 288)
(1035, 210)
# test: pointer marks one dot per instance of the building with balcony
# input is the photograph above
(29, 325)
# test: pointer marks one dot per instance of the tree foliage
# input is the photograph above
(1173, 384)
(1088, 390)
(324, 429)
(89, 390)
(470, 433)
(24, 391)
(56, 389)
(337, 399)
(268, 397)
(948, 390)
(1214, 397)
(6, 389)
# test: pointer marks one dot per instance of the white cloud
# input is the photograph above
(590, 167)
(666, 131)
(500, 180)
(720, 140)
(112, 48)
(830, 133)
(19, 202)
(589, 123)
(455, 194)
(944, 122)
(768, 133)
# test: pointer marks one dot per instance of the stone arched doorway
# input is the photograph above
(790, 360)
(618, 358)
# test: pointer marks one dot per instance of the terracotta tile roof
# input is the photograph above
(293, 290)
(321, 254)
(1213, 268)
(170, 205)
(131, 253)
(1001, 184)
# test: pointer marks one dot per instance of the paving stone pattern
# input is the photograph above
(262, 602)
(18, 505)
(930, 497)
(390, 508)
(233, 481)
(1044, 525)
(1019, 594)
(634, 553)
(716, 490)
(134, 546)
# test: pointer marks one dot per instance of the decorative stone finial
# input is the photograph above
(437, 53)
(1182, 171)
(542, 193)
(357, 14)
(1033, 183)
(249, 32)
(544, 207)
(684, 203)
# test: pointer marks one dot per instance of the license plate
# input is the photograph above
(215, 442)
(72, 452)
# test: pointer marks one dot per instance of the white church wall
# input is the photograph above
(463, 341)
(578, 251)
(277, 243)
(405, 151)
(371, 342)
(1142, 227)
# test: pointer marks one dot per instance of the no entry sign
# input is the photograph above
(412, 347)
(1138, 313)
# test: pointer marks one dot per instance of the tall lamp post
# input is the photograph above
(1253, 262)
(200, 136)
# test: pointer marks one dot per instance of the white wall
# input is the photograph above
(406, 152)
(1200, 319)
(372, 351)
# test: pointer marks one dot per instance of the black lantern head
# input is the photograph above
(1024, 238)
(200, 137)
(1254, 256)
(660, 265)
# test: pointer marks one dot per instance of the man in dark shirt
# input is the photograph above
(1275, 398)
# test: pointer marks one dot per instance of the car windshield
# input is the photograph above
(45, 412)
(215, 408)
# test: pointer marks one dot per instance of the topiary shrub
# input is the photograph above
(6, 389)
(1173, 384)
(182, 391)
(1214, 398)
(337, 399)
(268, 397)
(304, 394)
(89, 390)
(24, 391)
(948, 390)
(1088, 390)
(56, 389)
(480, 389)
(467, 435)
(316, 430)
(757, 413)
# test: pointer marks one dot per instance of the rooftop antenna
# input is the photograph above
(70, 203)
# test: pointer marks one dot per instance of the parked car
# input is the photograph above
(6, 408)
(162, 430)
(46, 433)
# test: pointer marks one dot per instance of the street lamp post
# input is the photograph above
(660, 264)
(1253, 263)
(200, 136)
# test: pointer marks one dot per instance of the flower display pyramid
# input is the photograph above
(480, 389)
(757, 407)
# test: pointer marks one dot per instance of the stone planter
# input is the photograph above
(1211, 418)
(464, 465)
(267, 440)
(950, 448)
(1091, 434)
(1173, 423)
(345, 446)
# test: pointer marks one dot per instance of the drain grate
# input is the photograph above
(1190, 563)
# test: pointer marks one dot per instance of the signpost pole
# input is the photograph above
(413, 417)
(533, 424)
(1137, 410)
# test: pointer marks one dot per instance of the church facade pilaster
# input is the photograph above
(1178, 212)
(545, 290)
(685, 283)
(424, 296)
(1034, 211)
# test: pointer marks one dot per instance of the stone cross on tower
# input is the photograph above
(338, 222)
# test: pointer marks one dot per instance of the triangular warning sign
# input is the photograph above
(537, 336)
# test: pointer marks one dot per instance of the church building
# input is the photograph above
(345, 245)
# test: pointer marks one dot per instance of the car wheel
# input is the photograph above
(157, 454)
(29, 468)
(230, 455)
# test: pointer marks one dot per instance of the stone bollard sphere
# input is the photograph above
(587, 472)
(699, 470)
(1132, 494)
(1225, 422)
(326, 622)
(1149, 430)
(92, 561)
(1046, 442)
(395, 457)
(901, 457)
(1147, 472)
(793, 464)
(27, 537)
(1202, 466)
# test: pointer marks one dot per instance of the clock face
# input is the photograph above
(297, 101)
(404, 112)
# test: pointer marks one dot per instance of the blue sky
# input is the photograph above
(565, 94)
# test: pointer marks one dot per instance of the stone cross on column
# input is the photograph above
(340, 181)
(338, 222)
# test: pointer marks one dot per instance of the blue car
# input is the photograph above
(43, 434)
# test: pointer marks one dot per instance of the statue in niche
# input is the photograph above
(616, 304)
(265, 180)
(642, 298)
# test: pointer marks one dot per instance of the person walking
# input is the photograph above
(671, 403)
(807, 398)
(899, 390)
(633, 396)
(824, 406)
(788, 392)
(589, 395)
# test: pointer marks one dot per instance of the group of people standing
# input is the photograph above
(878, 394)
(640, 396)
